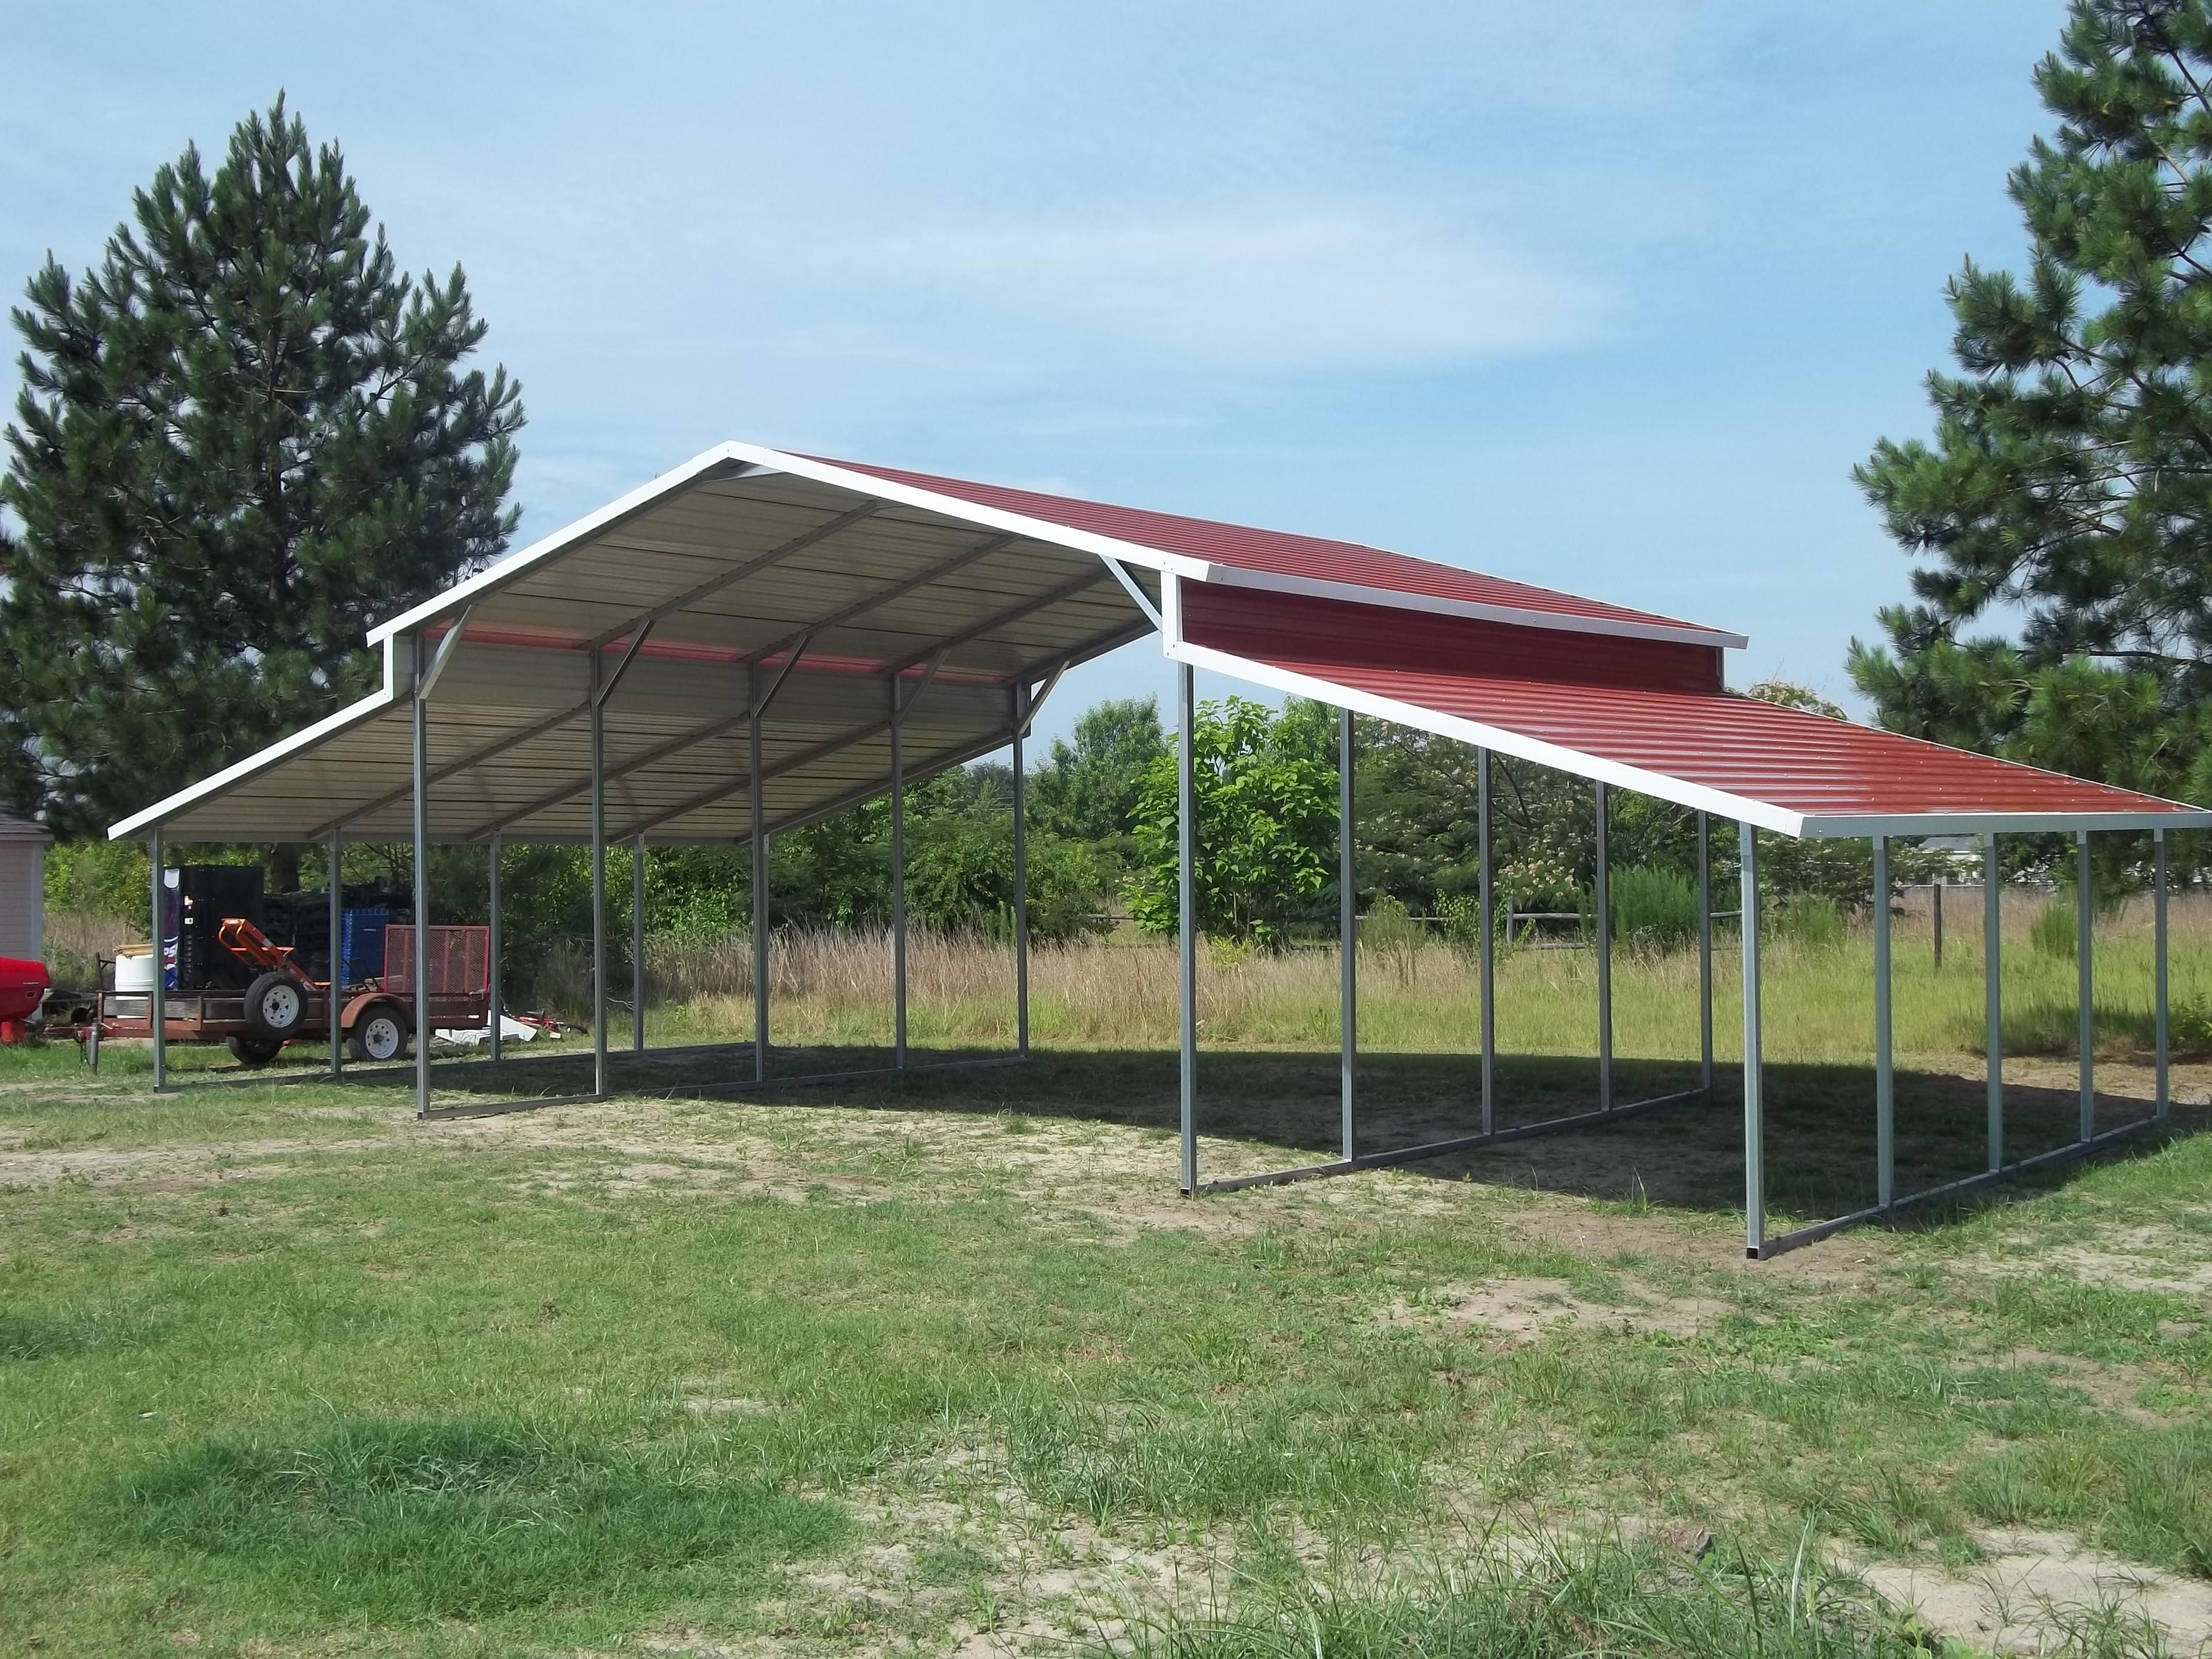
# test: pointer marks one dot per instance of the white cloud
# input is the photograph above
(1301, 288)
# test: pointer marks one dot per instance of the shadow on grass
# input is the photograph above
(1688, 1155)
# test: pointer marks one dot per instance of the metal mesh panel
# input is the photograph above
(460, 960)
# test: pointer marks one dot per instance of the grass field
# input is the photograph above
(944, 1363)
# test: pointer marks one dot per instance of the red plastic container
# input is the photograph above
(23, 987)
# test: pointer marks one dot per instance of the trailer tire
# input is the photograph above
(276, 1007)
(379, 1034)
(255, 1051)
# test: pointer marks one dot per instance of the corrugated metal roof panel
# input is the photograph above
(1834, 776)
(1275, 552)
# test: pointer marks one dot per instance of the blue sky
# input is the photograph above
(1609, 298)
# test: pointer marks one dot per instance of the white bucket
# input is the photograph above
(134, 969)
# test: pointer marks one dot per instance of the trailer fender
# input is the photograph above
(359, 1003)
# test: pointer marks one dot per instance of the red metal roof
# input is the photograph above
(1607, 703)
(1278, 553)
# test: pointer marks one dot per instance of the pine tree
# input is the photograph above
(2069, 486)
(241, 439)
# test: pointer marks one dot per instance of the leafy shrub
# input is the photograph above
(1653, 910)
(1810, 919)
(2053, 931)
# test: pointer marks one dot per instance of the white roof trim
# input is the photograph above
(1823, 826)
(515, 565)
(1504, 739)
(330, 726)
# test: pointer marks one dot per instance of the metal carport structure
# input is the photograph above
(759, 639)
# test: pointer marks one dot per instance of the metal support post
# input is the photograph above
(2165, 1107)
(1486, 968)
(1936, 907)
(637, 945)
(1187, 901)
(599, 883)
(2085, 952)
(496, 942)
(1705, 952)
(898, 881)
(1604, 900)
(334, 975)
(1021, 875)
(157, 1000)
(1754, 1080)
(1993, 995)
(422, 748)
(759, 832)
(1347, 928)
(1885, 1096)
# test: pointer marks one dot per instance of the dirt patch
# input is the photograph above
(1524, 1310)
(2165, 1260)
(2035, 1585)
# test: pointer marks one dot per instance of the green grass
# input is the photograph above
(1566, 1600)
(884, 1364)
(389, 1521)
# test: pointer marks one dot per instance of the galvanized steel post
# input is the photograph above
(1754, 1104)
(421, 778)
(1347, 927)
(759, 832)
(497, 943)
(2164, 1109)
(1186, 901)
(1021, 696)
(334, 975)
(1885, 1096)
(898, 879)
(157, 999)
(1486, 968)
(1993, 996)
(1704, 952)
(637, 945)
(599, 881)
(1603, 899)
(2085, 951)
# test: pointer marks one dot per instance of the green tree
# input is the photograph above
(241, 439)
(1088, 789)
(2069, 484)
(1266, 828)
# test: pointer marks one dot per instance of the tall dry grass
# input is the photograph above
(835, 987)
(76, 941)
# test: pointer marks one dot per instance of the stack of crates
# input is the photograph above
(362, 951)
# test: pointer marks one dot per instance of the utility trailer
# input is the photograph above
(282, 1004)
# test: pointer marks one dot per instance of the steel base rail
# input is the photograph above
(1441, 1148)
(685, 1091)
(2072, 1150)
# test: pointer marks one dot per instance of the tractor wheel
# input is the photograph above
(379, 1034)
(275, 1006)
(253, 1051)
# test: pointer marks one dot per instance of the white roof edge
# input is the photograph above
(1521, 616)
(1505, 741)
(1837, 826)
(679, 478)
(546, 547)
(330, 726)
(984, 517)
